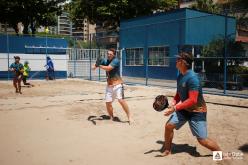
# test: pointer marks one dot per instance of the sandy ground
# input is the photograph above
(59, 123)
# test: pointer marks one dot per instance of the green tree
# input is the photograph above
(31, 13)
(215, 49)
(238, 9)
(207, 6)
(236, 3)
(110, 12)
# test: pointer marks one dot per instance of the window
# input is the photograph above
(134, 56)
(158, 56)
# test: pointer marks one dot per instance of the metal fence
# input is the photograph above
(218, 43)
(78, 64)
(147, 53)
(209, 70)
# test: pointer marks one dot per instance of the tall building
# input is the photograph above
(64, 24)
(6, 28)
(83, 29)
(106, 38)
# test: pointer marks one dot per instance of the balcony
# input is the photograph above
(242, 35)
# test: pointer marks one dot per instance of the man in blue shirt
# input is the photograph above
(189, 106)
(17, 69)
(50, 69)
(114, 87)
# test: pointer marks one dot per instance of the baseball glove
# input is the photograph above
(98, 61)
(160, 103)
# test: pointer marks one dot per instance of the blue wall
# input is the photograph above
(17, 44)
(157, 30)
(179, 27)
(201, 27)
(38, 75)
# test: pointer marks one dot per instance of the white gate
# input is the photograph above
(81, 60)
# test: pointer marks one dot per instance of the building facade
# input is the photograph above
(83, 29)
(150, 43)
(64, 24)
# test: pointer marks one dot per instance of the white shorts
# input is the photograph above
(113, 92)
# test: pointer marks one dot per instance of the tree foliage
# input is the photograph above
(207, 6)
(31, 13)
(110, 12)
(239, 9)
(216, 48)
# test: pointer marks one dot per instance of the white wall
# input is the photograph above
(36, 61)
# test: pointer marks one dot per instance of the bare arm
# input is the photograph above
(106, 68)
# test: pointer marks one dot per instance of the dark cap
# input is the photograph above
(188, 57)
(16, 57)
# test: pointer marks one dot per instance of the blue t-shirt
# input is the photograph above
(17, 67)
(49, 65)
(190, 82)
(113, 75)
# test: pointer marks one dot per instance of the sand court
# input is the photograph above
(64, 122)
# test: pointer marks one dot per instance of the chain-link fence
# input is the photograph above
(218, 42)
(71, 56)
(80, 63)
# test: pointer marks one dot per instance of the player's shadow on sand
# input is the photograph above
(93, 119)
(178, 148)
(244, 148)
(27, 86)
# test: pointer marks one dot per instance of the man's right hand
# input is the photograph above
(169, 110)
(12, 69)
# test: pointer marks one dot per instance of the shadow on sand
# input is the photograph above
(178, 148)
(93, 119)
(244, 148)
